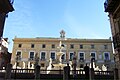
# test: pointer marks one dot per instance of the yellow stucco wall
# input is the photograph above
(98, 43)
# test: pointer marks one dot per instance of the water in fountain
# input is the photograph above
(59, 65)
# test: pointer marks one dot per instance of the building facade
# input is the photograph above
(113, 9)
(25, 50)
(5, 56)
(5, 8)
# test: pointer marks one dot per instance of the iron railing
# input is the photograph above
(56, 71)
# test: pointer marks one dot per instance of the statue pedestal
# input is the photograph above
(56, 68)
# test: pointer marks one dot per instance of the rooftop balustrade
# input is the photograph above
(110, 5)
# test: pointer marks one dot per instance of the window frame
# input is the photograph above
(81, 46)
(108, 55)
(41, 55)
(32, 45)
(33, 56)
(52, 46)
(79, 56)
(95, 55)
(105, 46)
(92, 46)
(19, 45)
(72, 46)
(20, 55)
(70, 56)
(43, 46)
(53, 52)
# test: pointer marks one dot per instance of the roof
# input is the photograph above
(58, 39)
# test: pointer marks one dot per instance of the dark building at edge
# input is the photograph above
(5, 7)
(113, 9)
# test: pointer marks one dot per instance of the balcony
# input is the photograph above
(107, 60)
(110, 5)
(116, 40)
(42, 59)
(18, 59)
(31, 59)
(81, 60)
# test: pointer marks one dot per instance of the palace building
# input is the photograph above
(85, 50)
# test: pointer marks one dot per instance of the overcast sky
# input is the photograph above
(46, 18)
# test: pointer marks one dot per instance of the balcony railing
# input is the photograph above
(31, 59)
(107, 60)
(116, 40)
(81, 60)
(18, 58)
(42, 59)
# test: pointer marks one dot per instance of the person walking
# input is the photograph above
(86, 69)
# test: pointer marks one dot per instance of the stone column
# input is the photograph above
(66, 73)
(37, 72)
(8, 71)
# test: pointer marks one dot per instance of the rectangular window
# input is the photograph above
(43, 46)
(32, 45)
(71, 55)
(92, 46)
(31, 55)
(18, 55)
(53, 55)
(43, 55)
(93, 56)
(19, 45)
(53, 45)
(105, 47)
(72, 46)
(81, 46)
(106, 56)
(81, 56)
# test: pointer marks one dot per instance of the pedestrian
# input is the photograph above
(86, 69)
